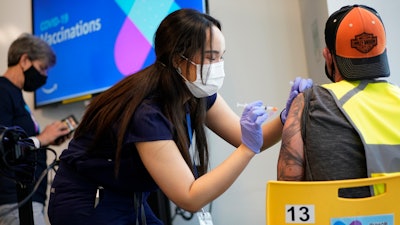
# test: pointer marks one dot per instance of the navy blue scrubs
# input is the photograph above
(80, 174)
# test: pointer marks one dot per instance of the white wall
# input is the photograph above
(313, 15)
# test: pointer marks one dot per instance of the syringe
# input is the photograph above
(270, 109)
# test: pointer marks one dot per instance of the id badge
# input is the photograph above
(204, 218)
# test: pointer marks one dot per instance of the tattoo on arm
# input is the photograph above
(291, 156)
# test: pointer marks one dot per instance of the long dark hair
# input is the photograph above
(183, 32)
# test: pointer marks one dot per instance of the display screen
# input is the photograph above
(97, 43)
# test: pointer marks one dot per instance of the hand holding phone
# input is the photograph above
(71, 123)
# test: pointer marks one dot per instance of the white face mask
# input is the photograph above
(214, 78)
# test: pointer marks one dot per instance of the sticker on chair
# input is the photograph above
(386, 219)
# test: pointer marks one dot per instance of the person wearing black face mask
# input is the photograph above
(29, 58)
(33, 79)
(349, 128)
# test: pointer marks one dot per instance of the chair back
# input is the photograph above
(317, 202)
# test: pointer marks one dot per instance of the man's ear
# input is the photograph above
(327, 54)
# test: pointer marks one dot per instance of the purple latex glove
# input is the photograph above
(254, 114)
(299, 85)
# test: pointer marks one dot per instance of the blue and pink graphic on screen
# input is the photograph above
(98, 42)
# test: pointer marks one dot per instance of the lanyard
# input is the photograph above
(189, 128)
(203, 216)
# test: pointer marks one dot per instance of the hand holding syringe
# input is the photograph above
(271, 110)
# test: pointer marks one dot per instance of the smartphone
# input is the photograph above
(71, 123)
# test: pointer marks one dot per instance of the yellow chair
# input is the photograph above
(317, 202)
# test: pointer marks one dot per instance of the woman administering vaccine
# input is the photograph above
(135, 137)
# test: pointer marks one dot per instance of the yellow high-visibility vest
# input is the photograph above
(373, 109)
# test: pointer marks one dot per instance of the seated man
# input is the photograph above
(351, 127)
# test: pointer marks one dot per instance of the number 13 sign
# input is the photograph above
(300, 214)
